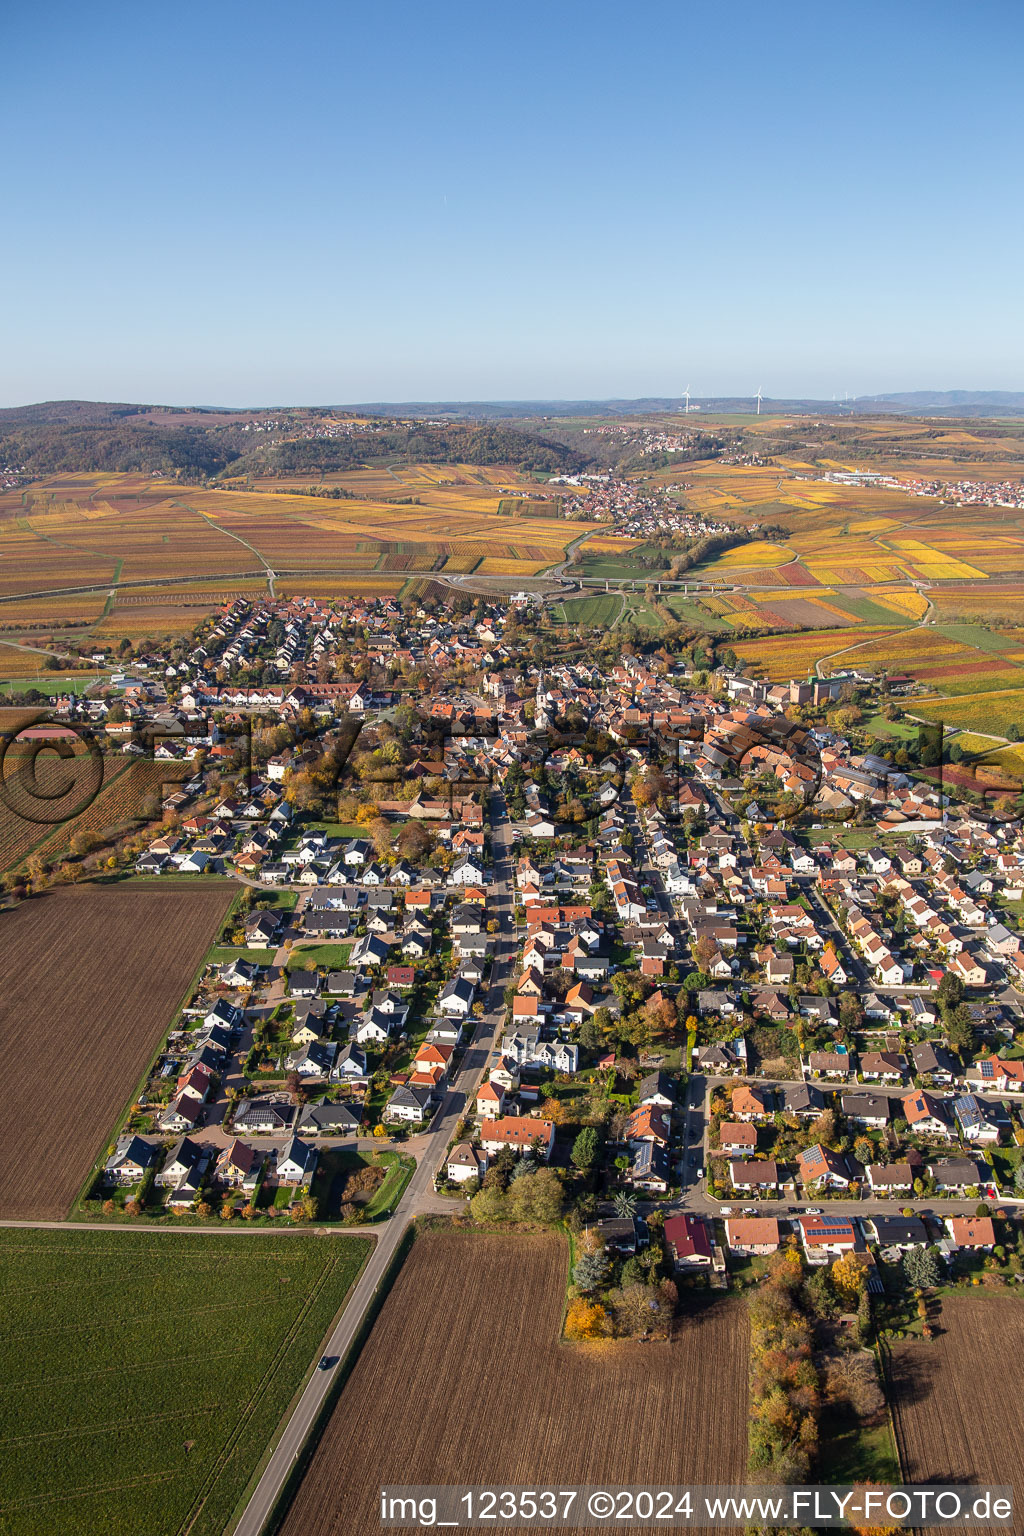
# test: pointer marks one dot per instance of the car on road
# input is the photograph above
(814, 1210)
(750, 1210)
(726, 1210)
(325, 1362)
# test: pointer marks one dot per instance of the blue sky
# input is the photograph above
(241, 203)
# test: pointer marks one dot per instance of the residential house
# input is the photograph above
(130, 1160)
(820, 1166)
(737, 1136)
(466, 1162)
(296, 1163)
(520, 1132)
(826, 1237)
(322, 1118)
(758, 1175)
(688, 1241)
(975, 1233)
(414, 1105)
(927, 1115)
(867, 1109)
(750, 1235)
(888, 1179)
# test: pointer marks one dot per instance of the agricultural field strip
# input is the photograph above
(230, 1410)
(954, 1423)
(95, 945)
(513, 1288)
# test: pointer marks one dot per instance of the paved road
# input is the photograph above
(419, 1197)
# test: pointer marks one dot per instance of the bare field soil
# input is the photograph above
(956, 1419)
(464, 1380)
(92, 976)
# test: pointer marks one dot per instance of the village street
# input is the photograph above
(419, 1197)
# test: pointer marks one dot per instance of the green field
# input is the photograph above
(690, 611)
(615, 568)
(51, 682)
(601, 610)
(892, 730)
(144, 1374)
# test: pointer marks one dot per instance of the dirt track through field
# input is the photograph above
(956, 1400)
(464, 1381)
(91, 977)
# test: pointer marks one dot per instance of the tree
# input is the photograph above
(852, 1378)
(921, 1268)
(949, 992)
(539, 1198)
(586, 1320)
(589, 1271)
(848, 1278)
(637, 1309)
(863, 1151)
(489, 1204)
(704, 951)
(960, 1029)
(586, 1148)
(624, 1201)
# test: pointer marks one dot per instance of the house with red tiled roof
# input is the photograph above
(648, 1122)
(520, 1132)
(975, 1232)
(688, 1241)
(490, 1100)
(752, 1234)
(820, 1166)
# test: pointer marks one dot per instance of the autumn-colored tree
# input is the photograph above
(867, 1528)
(849, 1278)
(586, 1320)
(555, 1111)
(704, 951)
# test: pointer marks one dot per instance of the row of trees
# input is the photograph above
(787, 1390)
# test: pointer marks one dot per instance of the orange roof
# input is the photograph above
(973, 1231)
(747, 1231)
(518, 1130)
(431, 1078)
(435, 1055)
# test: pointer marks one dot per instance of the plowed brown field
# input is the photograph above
(92, 977)
(464, 1380)
(956, 1419)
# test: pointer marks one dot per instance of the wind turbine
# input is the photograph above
(759, 398)
(686, 396)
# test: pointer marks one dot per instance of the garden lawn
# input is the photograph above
(145, 1374)
(223, 954)
(306, 957)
